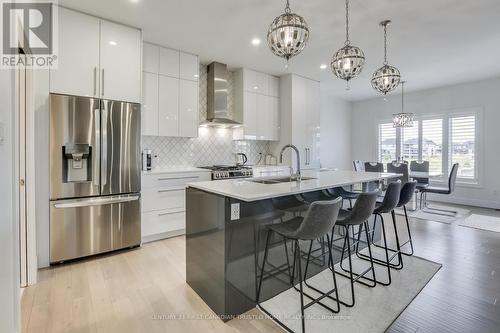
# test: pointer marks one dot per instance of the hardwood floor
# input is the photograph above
(137, 290)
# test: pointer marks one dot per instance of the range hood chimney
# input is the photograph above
(217, 90)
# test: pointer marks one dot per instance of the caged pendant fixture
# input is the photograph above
(386, 78)
(348, 62)
(403, 119)
(288, 34)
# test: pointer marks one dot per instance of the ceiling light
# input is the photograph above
(256, 41)
(403, 119)
(323, 66)
(288, 34)
(386, 78)
(348, 62)
(112, 43)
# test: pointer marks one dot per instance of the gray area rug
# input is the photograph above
(483, 222)
(437, 215)
(375, 309)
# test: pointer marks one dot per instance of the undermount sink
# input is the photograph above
(278, 180)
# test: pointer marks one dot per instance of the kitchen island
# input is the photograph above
(226, 229)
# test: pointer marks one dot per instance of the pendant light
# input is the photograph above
(403, 119)
(386, 78)
(288, 34)
(348, 62)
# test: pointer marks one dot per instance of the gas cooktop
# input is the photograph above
(229, 171)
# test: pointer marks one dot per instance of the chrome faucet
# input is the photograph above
(297, 175)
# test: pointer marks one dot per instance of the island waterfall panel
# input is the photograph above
(224, 256)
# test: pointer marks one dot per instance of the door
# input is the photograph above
(263, 117)
(74, 122)
(188, 109)
(83, 227)
(149, 110)
(121, 145)
(168, 106)
(78, 58)
(120, 60)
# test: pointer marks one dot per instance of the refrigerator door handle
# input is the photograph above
(95, 202)
(104, 145)
(97, 148)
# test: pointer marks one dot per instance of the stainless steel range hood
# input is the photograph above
(217, 90)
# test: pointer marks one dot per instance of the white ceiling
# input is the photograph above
(432, 42)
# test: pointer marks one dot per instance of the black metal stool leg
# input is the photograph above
(268, 239)
(299, 266)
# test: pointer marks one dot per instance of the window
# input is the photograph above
(432, 145)
(410, 143)
(387, 143)
(462, 145)
(444, 140)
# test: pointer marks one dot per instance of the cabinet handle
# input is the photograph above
(174, 178)
(102, 82)
(95, 81)
(172, 190)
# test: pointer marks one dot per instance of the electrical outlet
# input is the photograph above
(235, 211)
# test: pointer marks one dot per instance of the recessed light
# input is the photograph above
(196, 76)
(322, 66)
(112, 42)
(255, 87)
(256, 41)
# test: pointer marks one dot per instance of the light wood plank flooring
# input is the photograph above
(137, 290)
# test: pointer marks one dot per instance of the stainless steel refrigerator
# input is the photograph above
(95, 176)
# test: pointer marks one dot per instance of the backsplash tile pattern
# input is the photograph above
(212, 146)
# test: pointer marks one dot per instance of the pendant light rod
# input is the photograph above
(347, 41)
(287, 7)
(403, 96)
(385, 24)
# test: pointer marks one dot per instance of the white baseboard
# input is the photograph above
(163, 235)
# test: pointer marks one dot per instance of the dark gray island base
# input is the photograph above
(224, 256)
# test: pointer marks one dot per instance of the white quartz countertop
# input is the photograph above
(247, 190)
(174, 170)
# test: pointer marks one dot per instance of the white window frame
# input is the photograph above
(446, 117)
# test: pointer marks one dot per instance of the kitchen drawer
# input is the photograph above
(162, 221)
(163, 198)
(170, 179)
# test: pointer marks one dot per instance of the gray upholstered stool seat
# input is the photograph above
(288, 228)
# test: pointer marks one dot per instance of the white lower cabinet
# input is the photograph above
(164, 202)
(159, 223)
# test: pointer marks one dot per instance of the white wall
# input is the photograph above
(335, 131)
(484, 94)
(9, 256)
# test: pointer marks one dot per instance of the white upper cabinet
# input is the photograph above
(78, 58)
(188, 108)
(120, 62)
(256, 104)
(301, 112)
(149, 110)
(168, 106)
(274, 86)
(189, 67)
(97, 58)
(177, 98)
(169, 62)
(150, 58)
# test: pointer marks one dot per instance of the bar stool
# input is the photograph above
(390, 201)
(348, 219)
(344, 194)
(318, 221)
(407, 192)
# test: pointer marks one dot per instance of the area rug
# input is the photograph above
(437, 215)
(375, 309)
(483, 222)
